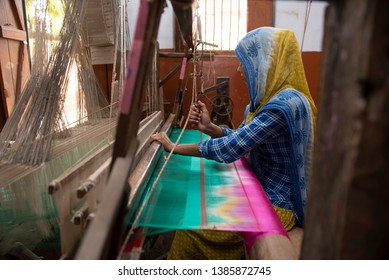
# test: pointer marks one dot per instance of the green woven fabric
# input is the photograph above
(196, 193)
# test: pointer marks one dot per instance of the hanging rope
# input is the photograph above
(307, 13)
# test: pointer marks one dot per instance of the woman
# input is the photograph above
(276, 136)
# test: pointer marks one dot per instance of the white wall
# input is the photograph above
(292, 14)
(166, 31)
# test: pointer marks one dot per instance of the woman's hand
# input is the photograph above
(199, 117)
(162, 138)
(200, 120)
(181, 149)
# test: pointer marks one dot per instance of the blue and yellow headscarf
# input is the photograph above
(272, 62)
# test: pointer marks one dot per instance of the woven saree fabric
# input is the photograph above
(196, 193)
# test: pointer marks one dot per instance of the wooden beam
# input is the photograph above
(7, 71)
(182, 54)
(80, 171)
(17, 7)
(9, 32)
(141, 174)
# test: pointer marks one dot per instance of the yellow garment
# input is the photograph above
(207, 245)
(217, 245)
(287, 217)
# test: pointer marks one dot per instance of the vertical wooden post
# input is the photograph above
(349, 189)
(259, 13)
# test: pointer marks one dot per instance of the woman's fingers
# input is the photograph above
(194, 110)
(163, 139)
(202, 107)
(194, 119)
(154, 137)
(194, 115)
(157, 137)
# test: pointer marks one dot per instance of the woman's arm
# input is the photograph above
(268, 125)
(182, 149)
(264, 127)
(199, 118)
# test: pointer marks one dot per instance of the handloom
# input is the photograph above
(55, 177)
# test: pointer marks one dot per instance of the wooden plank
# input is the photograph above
(80, 171)
(9, 32)
(182, 54)
(3, 117)
(7, 68)
(17, 7)
(145, 166)
(102, 55)
(147, 127)
(103, 74)
(99, 22)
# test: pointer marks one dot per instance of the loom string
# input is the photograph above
(123, 35)
(113, 77)
(123, 67)
(51, 134)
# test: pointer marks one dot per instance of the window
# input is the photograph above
(223, 23)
